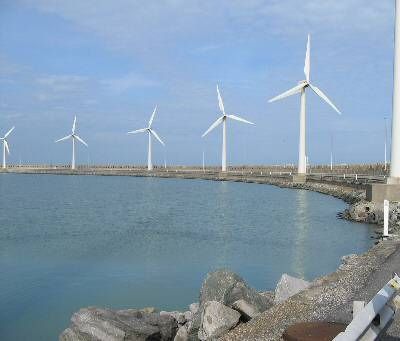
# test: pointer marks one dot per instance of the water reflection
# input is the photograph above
(224, 229)
(302, 221)
(123, 242)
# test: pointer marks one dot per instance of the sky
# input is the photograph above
(110, 62)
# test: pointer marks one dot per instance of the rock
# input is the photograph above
(246, 310)
(347, 260)
(227, 287)
(193, 326)
(96, 324)
(188, 315)
(177, 315)
(194, 307)
(216, 320)
(149, 310)
(182, 334)
(269, 296)
(289, 286)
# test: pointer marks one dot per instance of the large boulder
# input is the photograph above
(182, 334)
(227, 288)
(289, 286)
(96, 324)
(216, 320)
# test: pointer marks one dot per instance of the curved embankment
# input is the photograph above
(330, 297)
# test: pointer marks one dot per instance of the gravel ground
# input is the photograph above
(330, 297)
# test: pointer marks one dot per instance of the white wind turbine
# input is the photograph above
(150, 131)
(222, 120)
(74, 137)
(301, 88)
(5, 146)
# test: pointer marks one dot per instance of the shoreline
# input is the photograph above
(329, 297)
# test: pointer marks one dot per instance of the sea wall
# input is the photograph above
(367, 169)
(245, 314)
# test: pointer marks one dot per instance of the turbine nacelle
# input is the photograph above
(151, 132)
(301, 88)
(222, 120)
(304, 84)
(224, 115)
(73, 136)
(6, 148)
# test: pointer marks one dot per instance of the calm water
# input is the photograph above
(73, 241)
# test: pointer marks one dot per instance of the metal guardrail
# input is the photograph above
(360, 179)
(371, 320)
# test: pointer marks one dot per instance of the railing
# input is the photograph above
(372, 319)
(255, 173)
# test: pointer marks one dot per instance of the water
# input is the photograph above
(72, 241)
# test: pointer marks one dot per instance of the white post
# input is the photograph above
(224, 144)
(356, 177)
(73, 153)
(149, 163)
(331, 153)
(4, 154)
(385, 143)
(395, 152)
(302, 136)
(204, 168)
(386, 218)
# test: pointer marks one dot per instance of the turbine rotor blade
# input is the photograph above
(220, 101)
(156, 136)
(307, 62)
(288, 93)
(152, 117)
(137, 131)
(74, 125)
(80, 140)
(9, 132)
(325, 98)
(64, 138)
(237, 118)
(6, 145)
(214, 125)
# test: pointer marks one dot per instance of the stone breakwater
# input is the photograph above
(229, 309)
(225, 302)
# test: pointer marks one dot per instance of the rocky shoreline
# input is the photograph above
(228, 309)
(225, 302)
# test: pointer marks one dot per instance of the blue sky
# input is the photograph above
(111, 62)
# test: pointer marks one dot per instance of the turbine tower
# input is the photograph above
(150, 131)
(395, 149)
(5, 146)
(74, 137)
(222, 120)
(301, 88)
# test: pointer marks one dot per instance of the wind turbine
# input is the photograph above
(301, 88)
(150, 132)
(5, 146)
(74, 137)
(223, 120)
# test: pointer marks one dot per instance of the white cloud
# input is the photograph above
(126, 82)
(62, 83)
(127, 22)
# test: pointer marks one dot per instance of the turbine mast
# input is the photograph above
(224, 144)
(73, 153)
(4, 154)
(302, 166)
(395, 152)
(149, 162)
